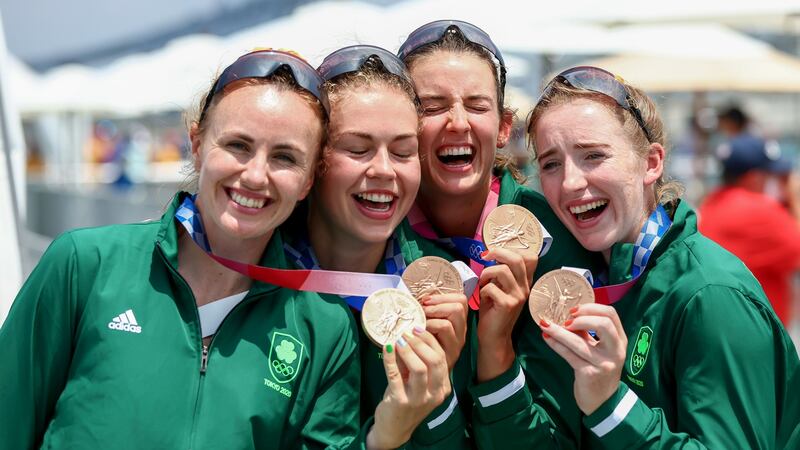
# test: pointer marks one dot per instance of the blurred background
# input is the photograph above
(92, 92)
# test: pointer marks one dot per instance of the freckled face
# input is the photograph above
(255, 160)
(461, 126)
(591, 175)
(372, 164)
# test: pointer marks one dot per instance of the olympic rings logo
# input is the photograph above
(282, 368)
(637, 360)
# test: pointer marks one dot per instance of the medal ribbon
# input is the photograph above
(653, 230)
(303, 256)
(469, 247)
(323, 281)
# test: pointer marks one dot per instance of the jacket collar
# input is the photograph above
(167, 241)
(684, 223)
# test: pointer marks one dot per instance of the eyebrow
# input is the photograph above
(545, 154)
(369, 137)
(592, 144)
(479, 97)
(423, 98)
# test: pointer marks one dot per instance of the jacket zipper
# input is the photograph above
(204, 354)
(205, 351)
(204, 359)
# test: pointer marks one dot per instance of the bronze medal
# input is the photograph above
(388, 313)
(556, 292)
(432, 275)
(515, 228)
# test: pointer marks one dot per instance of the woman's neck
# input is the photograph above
(208, 279)
(454, 215)
(337, 251)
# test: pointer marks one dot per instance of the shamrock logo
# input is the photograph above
(285, 351)
(643, 342)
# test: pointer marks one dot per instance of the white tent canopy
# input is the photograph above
(172, 77)
(675, 58)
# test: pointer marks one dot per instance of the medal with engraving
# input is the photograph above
(388, 313)
(431, 275)
(556, 292)
(515, 228)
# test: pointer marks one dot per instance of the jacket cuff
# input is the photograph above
(445, 420)
(503, 396)
(621, 421)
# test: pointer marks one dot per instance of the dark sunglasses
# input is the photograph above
(600, 81)
(261, 64)
(352, 58)
(435, 31)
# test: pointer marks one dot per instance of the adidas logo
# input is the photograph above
(125, 322)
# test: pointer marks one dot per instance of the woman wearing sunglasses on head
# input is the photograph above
(132, 336)
(459, 75)
(691, 354)
(368, 178)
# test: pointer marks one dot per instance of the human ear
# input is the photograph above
(196, 138)
(655, 163)
(506, 122)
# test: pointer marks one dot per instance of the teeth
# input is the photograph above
(455, 151)
(377, 198)
(247, 201)
(587, 207)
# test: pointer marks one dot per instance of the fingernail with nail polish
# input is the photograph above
(484, 253)
(401, 342)
(418, 329)
(543, 323)
(568, 322)
(573, 310)
(389, 348)
(545, 335)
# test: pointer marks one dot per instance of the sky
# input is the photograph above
(40, 30)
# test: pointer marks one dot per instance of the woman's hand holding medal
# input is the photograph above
(597, 362)
(514, 239)
(418, 376)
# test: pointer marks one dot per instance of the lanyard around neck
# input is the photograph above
(650, 235)
(302, 254)
(322, 281)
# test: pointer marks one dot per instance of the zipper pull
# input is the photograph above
(204, 359)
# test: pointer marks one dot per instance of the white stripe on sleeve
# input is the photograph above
(617, 416)
(444, 415)
(504, 392)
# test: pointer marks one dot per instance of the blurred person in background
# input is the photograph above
(753, 214)
(132, 336)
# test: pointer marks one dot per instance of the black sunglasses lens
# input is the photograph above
(351, 59)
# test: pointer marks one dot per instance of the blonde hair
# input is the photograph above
(666, 190)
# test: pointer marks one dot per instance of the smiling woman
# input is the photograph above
(367, 181)
(690, 354)
(133, 334)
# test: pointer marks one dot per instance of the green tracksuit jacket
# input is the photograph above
(565, 250)
(103, 349)
(494, 401)
(445, 427)
(708, 363)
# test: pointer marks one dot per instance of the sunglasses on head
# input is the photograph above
(435, 31)
(601, 81)
(352, 58)
(261, 64)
